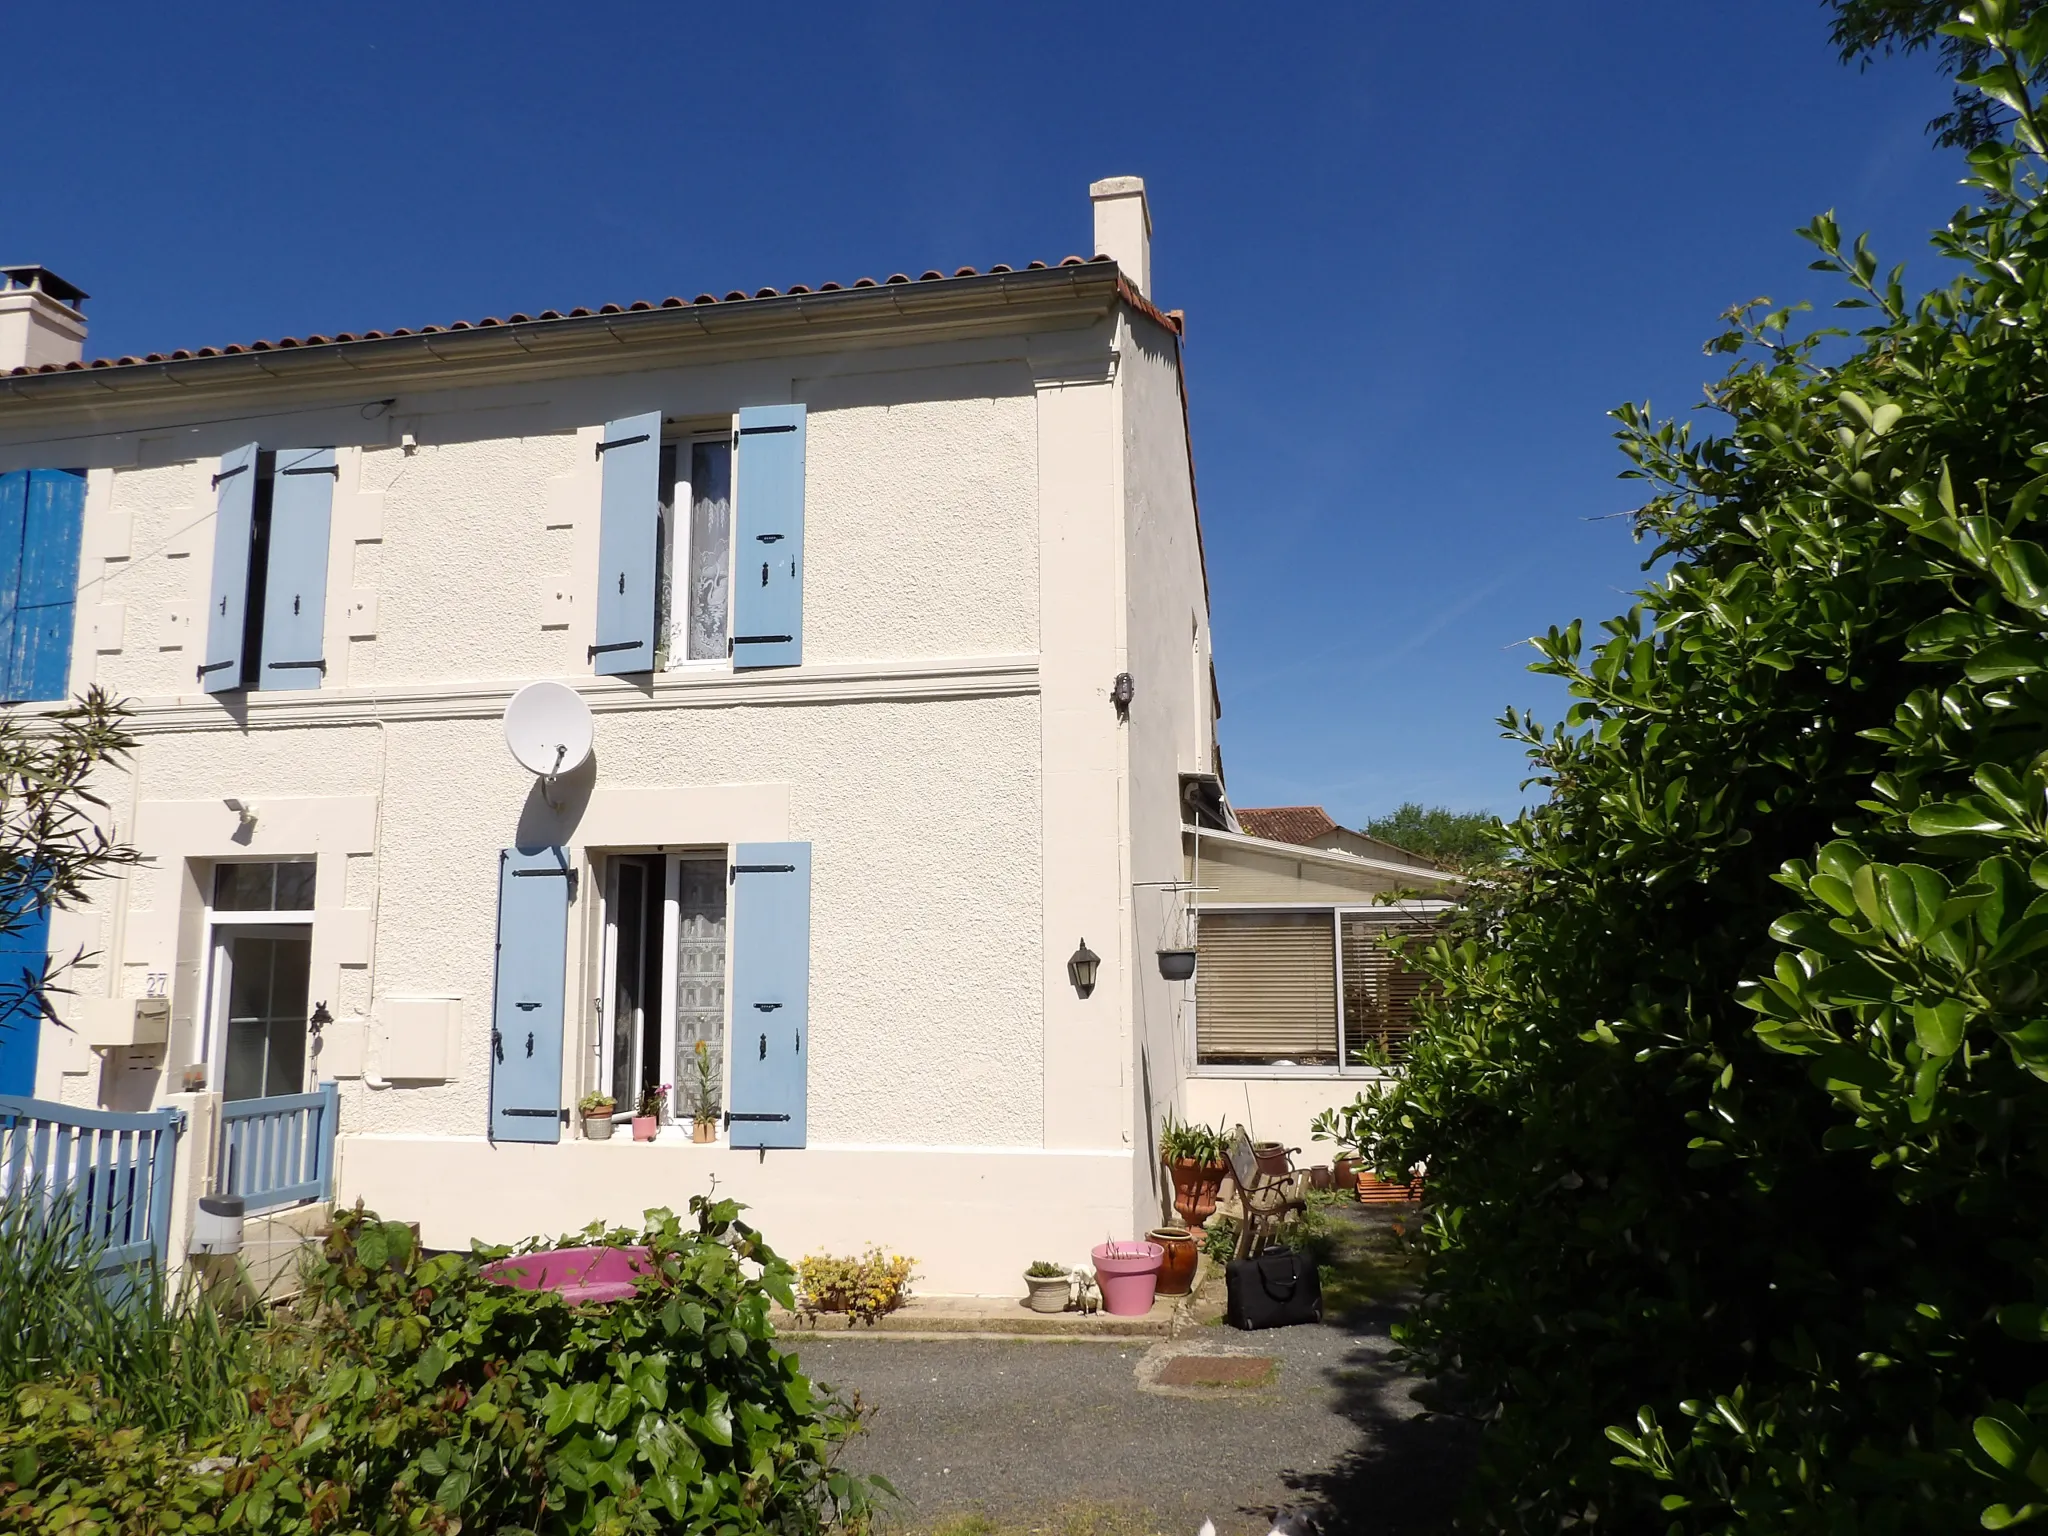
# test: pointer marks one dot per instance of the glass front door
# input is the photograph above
(260, 979)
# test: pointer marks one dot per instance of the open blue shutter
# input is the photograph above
(626, 540)
(771, 993)
(768, 563)
(13, 527)
(526, 1010)
(46, 598)
(234, 522)
(23, 951)
(295, 578)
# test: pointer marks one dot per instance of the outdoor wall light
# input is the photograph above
(1081, 969)
(1121, 692)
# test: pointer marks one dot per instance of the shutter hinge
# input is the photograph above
(228, 474)
(624, 442)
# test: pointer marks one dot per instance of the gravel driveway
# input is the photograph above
(1017, 1430)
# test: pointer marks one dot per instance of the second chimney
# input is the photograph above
(42, 319)
(1123, 227)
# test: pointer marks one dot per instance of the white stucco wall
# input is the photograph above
(1166, 616)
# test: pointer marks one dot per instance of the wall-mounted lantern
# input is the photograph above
(1121, 692)
(1081, 969)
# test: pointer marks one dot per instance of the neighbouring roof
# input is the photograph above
(1171, 320)
(1301, 824)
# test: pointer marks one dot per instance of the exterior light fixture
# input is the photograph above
(1081, 969)
(1120, 694)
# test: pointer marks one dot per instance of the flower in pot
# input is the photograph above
(597, 1110)
(1194, 1159)
(647, 1115)
(1048, 1284)
(703, 1093)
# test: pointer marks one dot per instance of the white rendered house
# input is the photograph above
(888, 605)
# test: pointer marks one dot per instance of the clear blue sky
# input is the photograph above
(1422, 251)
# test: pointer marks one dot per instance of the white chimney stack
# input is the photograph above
(41, 319)
(1123, 227)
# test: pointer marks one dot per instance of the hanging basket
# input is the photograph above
(1176, 964)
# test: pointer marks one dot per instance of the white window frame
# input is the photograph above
(1338, 911)
(219, 967)
(680, 498)
(677, 1128)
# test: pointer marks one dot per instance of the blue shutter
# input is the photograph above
(46, 598)
(626, 541)
(234, 525)
(768, 563)
(526, 1011)
(13, 527)
(771, 993)
(295, 577)
(23, 951)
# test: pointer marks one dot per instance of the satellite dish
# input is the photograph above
(547, 726)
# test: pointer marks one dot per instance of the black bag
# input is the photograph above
(1278, 1288)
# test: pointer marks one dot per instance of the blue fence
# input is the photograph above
(114, 1172)
(278, 1151)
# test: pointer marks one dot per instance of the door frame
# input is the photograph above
(221, 931)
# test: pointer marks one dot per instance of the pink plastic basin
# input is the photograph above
(577, 1275)
(1128, 1274)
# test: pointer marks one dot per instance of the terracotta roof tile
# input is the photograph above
(1300, 824)
(736, 296)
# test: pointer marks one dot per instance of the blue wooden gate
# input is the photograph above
(278, 1151)
(112, 1174)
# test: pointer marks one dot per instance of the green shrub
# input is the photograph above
(1733, 1101)
(407, 1392)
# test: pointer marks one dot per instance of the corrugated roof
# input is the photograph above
(1172, 321)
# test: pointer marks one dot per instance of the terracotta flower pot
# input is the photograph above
(1271, 1158)
(644, 1127)
(704, 1130)
(1343, 1176)
(597, 1127)
(1195, 1186)
(1177, 1271)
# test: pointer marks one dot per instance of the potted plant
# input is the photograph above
(1177, 1270)
(1176, 964)
(703, 1093)
(597, 1110)
(1048, 1284)
(1193, 1155)
(647, 1115)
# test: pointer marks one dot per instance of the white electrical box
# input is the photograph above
(417, 1038)
(107, 1022)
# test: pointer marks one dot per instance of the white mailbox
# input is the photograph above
(107, 1022)
(417, 1038)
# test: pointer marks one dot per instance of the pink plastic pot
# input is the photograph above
(578, 1275)
(1128, 1274)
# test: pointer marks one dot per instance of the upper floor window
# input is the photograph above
(266, 614)
(694, 563)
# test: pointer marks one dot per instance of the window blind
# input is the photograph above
(1266, 988)
(1379, 991)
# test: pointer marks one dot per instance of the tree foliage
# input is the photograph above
(1735, 1098)
(1455, 839)
(1863, 29)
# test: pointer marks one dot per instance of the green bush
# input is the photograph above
(1733, 1100)
(407, 1392)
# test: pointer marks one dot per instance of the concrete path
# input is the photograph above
(1020, 1431)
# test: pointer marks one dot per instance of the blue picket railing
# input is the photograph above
(278, 1151)
(114, 1172)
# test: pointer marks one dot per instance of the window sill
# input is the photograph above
(1329, 1073)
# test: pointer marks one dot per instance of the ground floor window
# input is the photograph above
(260, 951)
(664, 968)
(1309, 988)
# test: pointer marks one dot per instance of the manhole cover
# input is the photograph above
(1216, 1371)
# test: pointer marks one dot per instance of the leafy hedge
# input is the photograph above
(1733, 1102)
(408, 1393)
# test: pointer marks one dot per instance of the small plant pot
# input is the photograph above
(1128, 1276)
(1319, 1177)
(1271, 1158)
(1177, 1270)
(703, 1130)
(597, 1127)
(1048, 1293)
(644, 1127)
(1343, 1176)
(1176, 964)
